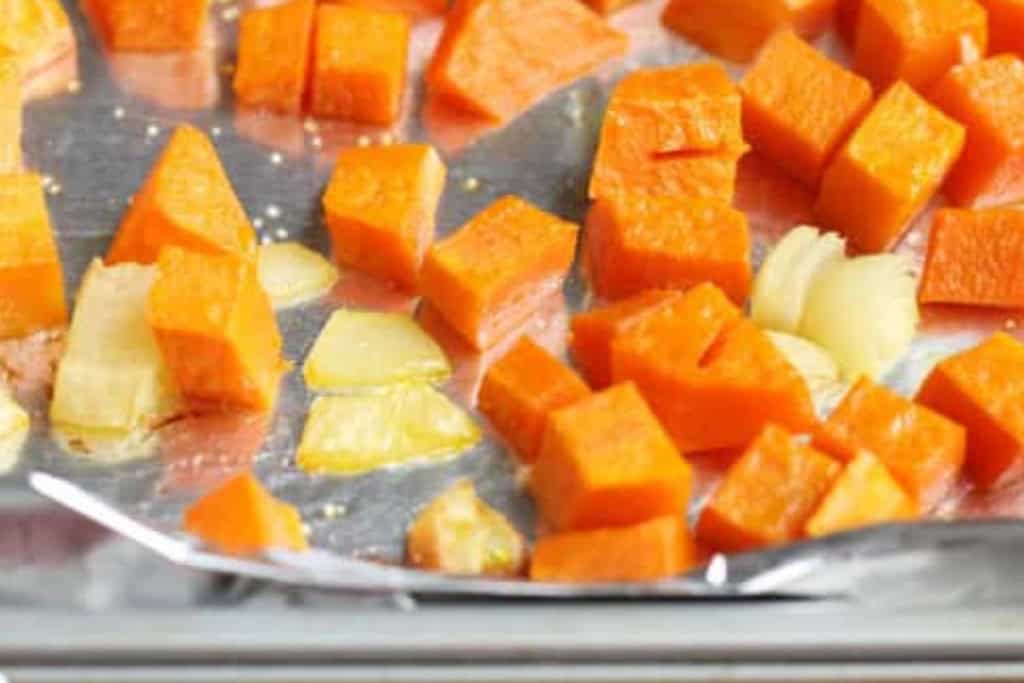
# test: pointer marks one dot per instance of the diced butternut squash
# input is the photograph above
(216, 329)
(242, 518)
(152, 25)
(458, 533)
(112, 380)
(496, 58)
(736, 29)
(272, 68)
(359, 349)
(594, 331)
(31, 278)
(1005, 26)
(987, 97)
(673, 132)
(292, 274)
(380, 207)
(490, 276)
(865, 494)
(37, 33)
(359, 64)
(605, 461)
(888, 170)
(712, 378)
(10, 114)
(767, 495)
(187, 201)
(414, 9)
(799, 106)
(650, 551)
(637, 242)
(522, 389)
(923, 450)
(975, 258)
(980, 388)
(608, 6)
(359, 433)
(917, 41)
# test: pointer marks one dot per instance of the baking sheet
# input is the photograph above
(97, 140)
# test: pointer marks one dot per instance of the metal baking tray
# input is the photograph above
(98, 137)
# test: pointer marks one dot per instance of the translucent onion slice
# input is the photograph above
(817, 368)
(292, 274)
(786, 275)
(14, 424)
(863, 311)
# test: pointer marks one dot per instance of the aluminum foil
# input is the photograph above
(97, 139)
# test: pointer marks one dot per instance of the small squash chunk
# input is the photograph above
(981, 388)
(987, 97)
(10, 114)
(923, 450)
(458, 533)
(152, 25)
(522, 389)
(713, 378)
(1005, 26)
(380, 207)
(638, 242)
(363, 349)
(605, 461)
(767, 495)
(292, 274)
(736, 29)
(187, 201)
(889, 169)
(492, 274)
(359, 64)
(350, 435)
(216, 329)
(273, 56)
(671, 132)
(799, 106)
(975, 258)
(242, 518)
(31, 277)
(864, 494)
(112, 380)
(662, 548)
(594, 331)
(917, 41)
(496, 58)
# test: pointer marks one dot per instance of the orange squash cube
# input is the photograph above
(659, 549)
(674, 132)
(923, 450)
(216, 329)
(187, 201)
(152, 25)
(888, 170)
(359, 64)
(594, 331)
(736, 29)
(242, 518)
(605, 461)
(974, 258)
(31, 279)
(981, 388)
(638, 242)
(712, 378)
(799, 106)
(273, 56)
(917, 41)
(1005, 26)
(380, 207)
(10, 114)
(987, 97)
(864, 494)
(496, 58)
(767, 495)
(492, 274)
(522, 389)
